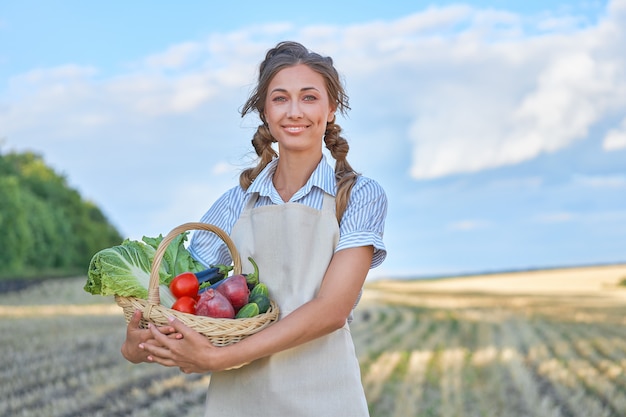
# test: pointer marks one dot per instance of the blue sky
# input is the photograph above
(498, 129)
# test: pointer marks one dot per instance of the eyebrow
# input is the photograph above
(282, 90)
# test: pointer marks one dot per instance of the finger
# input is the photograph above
(155, 358)
(135, 319)
(158, 336)
(155, 348)
(180, 327)
(151, 342)
(166, 329)
(158, 354)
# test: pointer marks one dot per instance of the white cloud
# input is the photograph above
(492, 109)
(175, 57)
(190, 92)
(615, 139)
(447, 90)
(614, 218)
(517, 183)
(608, 181)
(222, 168)
(468, 225)
(555, 217)
(40, 76)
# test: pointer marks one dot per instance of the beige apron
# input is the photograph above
(293, 245)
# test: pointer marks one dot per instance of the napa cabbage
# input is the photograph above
(124, 270)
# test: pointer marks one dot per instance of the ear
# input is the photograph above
(331, 116)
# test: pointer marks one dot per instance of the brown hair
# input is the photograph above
(284, 55)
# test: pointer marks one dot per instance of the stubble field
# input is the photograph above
(542, 343)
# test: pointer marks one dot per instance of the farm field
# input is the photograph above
(537, 343)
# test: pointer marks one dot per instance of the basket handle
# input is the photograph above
(153, 287)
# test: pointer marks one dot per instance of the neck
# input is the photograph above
(292, 173)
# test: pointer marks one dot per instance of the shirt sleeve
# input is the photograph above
(206, 247)
(363, 221)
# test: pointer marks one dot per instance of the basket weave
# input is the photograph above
(219, 331)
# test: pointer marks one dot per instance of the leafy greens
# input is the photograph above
(124, 270)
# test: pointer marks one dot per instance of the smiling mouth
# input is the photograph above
(294, 129)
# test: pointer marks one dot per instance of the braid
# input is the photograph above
(344, 174)
(262, 143)
(284, 55)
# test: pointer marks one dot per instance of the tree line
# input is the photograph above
(46, 227)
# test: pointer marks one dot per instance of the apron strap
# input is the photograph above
(252, 198)
(328, 203)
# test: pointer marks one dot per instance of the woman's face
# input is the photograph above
(297, 108)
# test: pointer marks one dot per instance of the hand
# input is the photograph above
(190, 351)
(136, 336)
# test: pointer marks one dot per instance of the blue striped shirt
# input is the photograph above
(362, 223)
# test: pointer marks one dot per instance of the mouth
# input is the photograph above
(295, 128)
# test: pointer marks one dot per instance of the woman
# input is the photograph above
(314, 234)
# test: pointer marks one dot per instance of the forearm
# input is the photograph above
(310, 321)
(327, 312)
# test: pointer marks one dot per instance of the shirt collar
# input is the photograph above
(323, 178)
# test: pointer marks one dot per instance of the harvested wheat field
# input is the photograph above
(537, 343)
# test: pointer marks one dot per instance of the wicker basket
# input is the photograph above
(221, 332)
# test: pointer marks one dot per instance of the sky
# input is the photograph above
(498, 129)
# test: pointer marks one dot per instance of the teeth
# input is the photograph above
(295, 129)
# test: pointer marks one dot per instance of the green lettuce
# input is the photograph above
(124, 270)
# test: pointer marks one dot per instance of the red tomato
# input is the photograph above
(185, 284)
(185, 304)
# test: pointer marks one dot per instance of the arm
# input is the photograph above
(327, 312)
(324, 314)
(360, 247)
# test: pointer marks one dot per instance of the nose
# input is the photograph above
(294, 110)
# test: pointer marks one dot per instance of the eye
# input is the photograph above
(309, 98)
(279, 99)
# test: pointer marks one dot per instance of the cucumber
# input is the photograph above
(260, 288)
(247, 311)
(262, 301)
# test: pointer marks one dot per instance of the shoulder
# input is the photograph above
(369, 184)
(363, 222)
(365, 190)
(234, 193)
(207, 247)
(226, 209)
(231, 199)
(367, 205)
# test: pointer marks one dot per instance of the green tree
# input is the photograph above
(45, 225)
(14, 236)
